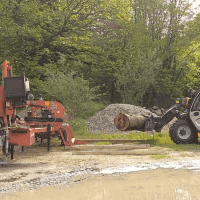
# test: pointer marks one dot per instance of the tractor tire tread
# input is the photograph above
(173, 132)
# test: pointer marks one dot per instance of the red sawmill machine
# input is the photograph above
(14, 131)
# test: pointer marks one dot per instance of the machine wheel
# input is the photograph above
(182, 132)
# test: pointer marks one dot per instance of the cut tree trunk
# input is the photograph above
(125, 121)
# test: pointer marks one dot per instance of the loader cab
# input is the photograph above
(194, 112)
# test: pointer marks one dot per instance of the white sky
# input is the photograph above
(195, 5)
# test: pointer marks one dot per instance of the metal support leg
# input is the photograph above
(12, 151)
(48, 136)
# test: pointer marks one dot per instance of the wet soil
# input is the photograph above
(36, 172)
(163, 184)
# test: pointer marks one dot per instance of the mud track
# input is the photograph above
(35, 167)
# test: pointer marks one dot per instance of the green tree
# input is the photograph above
(126, 50)
(38, 36)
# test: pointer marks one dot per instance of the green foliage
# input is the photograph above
(79, 127)
(88, 109)
(162, 139)
(158, 139)
(139, 135)
(110, 51)
(102, 143)
(69, 90)
(158, 156)
(133, 77)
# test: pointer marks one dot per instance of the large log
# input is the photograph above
(125, 121)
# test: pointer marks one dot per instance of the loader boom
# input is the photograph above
(157, 123)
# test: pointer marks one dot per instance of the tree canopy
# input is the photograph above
(143, 52)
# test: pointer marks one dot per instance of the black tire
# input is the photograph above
(183, 132)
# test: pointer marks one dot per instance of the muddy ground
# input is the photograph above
(101, 176)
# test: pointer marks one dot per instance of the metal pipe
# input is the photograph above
(48, 136)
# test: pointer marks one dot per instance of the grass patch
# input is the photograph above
(157, 139)
(158, 156)
(102, 143)
(164, 140)
(79, 127)
(160, 140)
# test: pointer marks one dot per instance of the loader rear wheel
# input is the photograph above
(182, 132)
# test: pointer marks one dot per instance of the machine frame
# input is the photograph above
(15, 93)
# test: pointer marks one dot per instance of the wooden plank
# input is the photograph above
(112, 140)
(99, 147)
(111, 153)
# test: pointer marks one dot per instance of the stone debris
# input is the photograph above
(103, 121)
(157, 110)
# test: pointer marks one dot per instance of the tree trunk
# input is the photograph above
(125, 121)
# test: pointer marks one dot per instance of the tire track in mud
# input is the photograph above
(65, 177)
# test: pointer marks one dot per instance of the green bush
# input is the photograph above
(69, 90)
(88, 109)
(79, 126)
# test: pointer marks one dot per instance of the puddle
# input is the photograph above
(190, 164)
(162, 184)
(161, 180)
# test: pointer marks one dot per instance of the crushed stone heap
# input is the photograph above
(103, 121)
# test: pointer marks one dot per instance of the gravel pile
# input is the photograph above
(103, 121)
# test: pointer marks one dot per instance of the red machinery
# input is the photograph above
(15, 93)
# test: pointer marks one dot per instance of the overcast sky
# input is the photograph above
(195, 5)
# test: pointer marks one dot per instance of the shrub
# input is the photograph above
(71, 91)
(88, 109)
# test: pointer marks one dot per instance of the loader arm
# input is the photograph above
(157, 123)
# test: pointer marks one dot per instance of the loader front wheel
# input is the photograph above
(182, 132)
